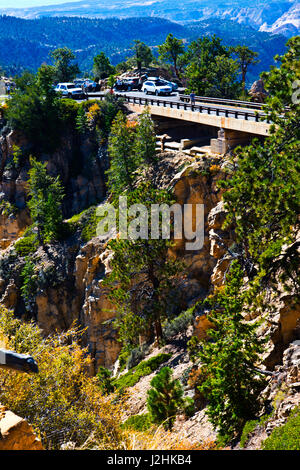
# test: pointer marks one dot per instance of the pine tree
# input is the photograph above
(123, 161)
(263, 191)
(145, 138)
(46, 196)
(147, 278)
(231, 381)
(245, 57)
(165, 398)
(171, 50)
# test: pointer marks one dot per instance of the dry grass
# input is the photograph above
(163, 440)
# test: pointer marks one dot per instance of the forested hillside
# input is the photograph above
(25, 44)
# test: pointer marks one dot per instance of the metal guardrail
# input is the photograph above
(238, 103)
(202, 108)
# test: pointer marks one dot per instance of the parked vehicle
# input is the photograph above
(88, 84)
(172, 84)
(132, 83)
(156, 87)
(69, 90)
(121, 85)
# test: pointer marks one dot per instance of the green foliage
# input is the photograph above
(165, 398)
(123, 162)
(138, 423)
(142, 54)
(28, 243)
(171, 50)
(210, 70)
(250, 426)
(130, 145)
(178, 324)
(104, 380)
(64, 70)
(141, 370)
(85, 223)
(143, 304)
(245, 57)
(81, 121)
(34, 110)
(263, 191)
(46, 195)
(231, 381)
(193, 348)
(37, 111)
(29, 283)
(286, 437)
(248, 429)
(145, 138)
(7, 208)
(102, 67)
(24, 43)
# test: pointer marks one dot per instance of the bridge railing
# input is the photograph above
(251, 115)
(238, 103)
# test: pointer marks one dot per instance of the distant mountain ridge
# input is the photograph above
(279, 16)
(25, 44)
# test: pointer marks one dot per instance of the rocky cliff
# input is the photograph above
(16, 433)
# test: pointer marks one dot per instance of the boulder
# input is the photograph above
(16, 433)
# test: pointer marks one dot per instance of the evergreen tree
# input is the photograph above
(147, 279)
(165, 398)
(171, 50)
(231, 381)
(46, 195)
(65, 70)
(102, 67)
(263, 191)
(142, 54)
(201, 58)
(145, 138)
(123, 161)
(245, 58)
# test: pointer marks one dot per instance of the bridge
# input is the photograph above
(227, 122)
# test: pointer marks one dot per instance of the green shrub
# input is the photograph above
(104, 380)
(286, 437)
(144, 368)
(165, 399)
(179, 324)
(86, 222)
(136, 355)
(138, 423)
(248, 429)
(27, 244)
(7, 208)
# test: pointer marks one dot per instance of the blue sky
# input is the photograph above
(29, 3)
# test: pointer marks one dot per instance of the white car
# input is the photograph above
(163, 81)
(69, 90)
(156, 87)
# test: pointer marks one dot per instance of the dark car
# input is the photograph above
(132, 83)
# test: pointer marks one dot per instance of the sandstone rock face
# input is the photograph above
(97, 313)
(16, 433)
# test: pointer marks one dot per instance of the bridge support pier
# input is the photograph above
(229, 139)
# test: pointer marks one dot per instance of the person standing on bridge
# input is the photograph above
(192, 98)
